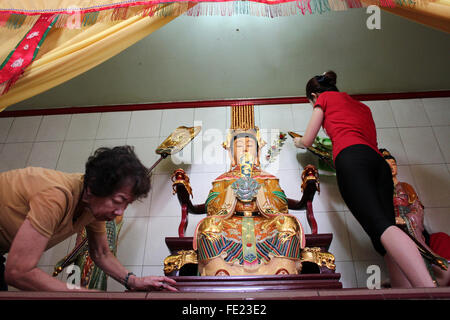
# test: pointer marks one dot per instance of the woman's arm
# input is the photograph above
(312, 129)
(21, 271)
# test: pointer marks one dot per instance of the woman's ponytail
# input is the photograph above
(322, 83)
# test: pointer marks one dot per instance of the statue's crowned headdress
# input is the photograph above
(243, 124)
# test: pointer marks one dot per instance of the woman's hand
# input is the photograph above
(151, 283)
(298, 142)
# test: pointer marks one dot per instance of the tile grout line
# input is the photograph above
(350, 245)
(8, 131)
(34, 140)
(438, 144)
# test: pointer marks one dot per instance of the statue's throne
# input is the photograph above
(249, 241)
(318, 269)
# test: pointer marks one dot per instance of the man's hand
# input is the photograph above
(151, 283)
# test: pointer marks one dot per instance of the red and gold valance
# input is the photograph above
(14, 13)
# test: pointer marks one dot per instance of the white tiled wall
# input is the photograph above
(416, 131)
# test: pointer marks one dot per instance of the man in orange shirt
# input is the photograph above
(40, 208)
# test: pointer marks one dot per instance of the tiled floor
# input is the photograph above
(416, 131)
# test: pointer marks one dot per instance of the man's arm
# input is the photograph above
(105, 260)
(21, 271)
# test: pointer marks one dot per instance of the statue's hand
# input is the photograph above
(151, 283)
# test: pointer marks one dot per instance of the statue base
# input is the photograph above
(313, 276)
(258, 283)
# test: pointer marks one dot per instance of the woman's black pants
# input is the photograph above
(3, 285)
(365, 182)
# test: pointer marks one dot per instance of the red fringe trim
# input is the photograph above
(387, 3)
(354, 4)
(72, 18)
(126, 4)
(119, 14)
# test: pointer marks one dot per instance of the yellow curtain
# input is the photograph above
(435, 14)
(432, 13)
(67, 53)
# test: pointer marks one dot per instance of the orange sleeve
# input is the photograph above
(97, 226)
(47, 210)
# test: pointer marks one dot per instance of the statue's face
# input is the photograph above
(393, 166)
(244, 145)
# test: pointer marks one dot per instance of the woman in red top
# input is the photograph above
(363, 176)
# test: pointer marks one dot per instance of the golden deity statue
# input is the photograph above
(248, 230)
